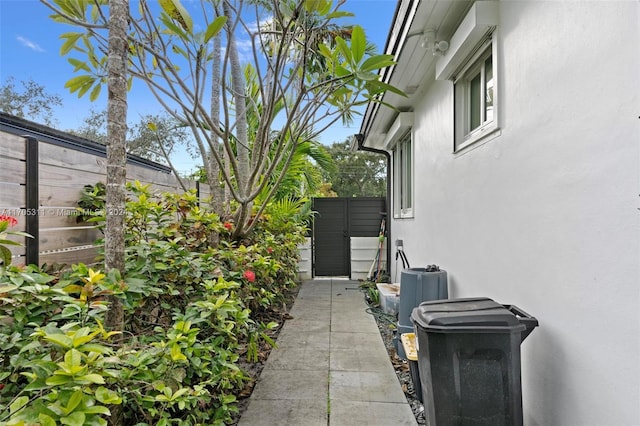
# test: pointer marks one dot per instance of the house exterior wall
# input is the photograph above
(545, 216)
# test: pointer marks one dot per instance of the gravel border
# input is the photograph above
(387, 329)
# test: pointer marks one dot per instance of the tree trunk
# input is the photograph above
(116, 152)
(239, 94)
(213, 169)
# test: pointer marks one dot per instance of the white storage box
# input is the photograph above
(389, 297)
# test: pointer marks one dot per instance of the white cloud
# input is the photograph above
(252, 27)
(31, 45)
(244, 46)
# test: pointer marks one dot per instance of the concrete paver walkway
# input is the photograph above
(330, 367)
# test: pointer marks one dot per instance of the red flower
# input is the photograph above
(269, 250)
(228, 225)
(249, 276)
(12, 220)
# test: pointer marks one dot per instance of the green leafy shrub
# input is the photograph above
(92, 202)
(54, 356)
(5, 223)
(191, 311)
(26, 301)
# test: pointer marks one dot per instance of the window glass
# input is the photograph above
(403, 177)
(408, 174)
(488, 84)
(475, 97)
(475, 90)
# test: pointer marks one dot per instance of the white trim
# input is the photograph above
(482, 18)
(478, 143)
(398, 129)
(400, 173)
(489, 130)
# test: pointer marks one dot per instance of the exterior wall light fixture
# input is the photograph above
(429, 42)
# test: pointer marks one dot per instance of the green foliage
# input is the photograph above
(357, 174)
(151, 136)
(91, 202)
(304, 174)
(66, 386)
(5, 223)
(55, 355)
(191, 312)
(25, 302)
(306, 71)
(186, 369)
(372, 295)
(32, 102)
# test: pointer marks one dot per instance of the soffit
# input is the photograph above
(415, 68)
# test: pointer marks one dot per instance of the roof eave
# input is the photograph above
(414, 71)
(401, 23)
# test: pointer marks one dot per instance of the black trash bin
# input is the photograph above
(469, 361)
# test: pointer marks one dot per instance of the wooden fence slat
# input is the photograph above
(17, 250)
(12, 171)
(58, 157)
(67, 177)
(59, 196)
(205, 192)
(86, 256)
(62, 238)
(62, 173)
(59, 217)
(11, 195)
(66, 158)
(12, 146)
(147, 175)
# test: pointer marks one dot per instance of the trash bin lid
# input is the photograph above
(466, 315)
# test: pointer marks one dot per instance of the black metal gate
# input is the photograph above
(336, 221)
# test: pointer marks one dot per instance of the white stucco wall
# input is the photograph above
(545, 216)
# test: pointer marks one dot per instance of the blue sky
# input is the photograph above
(30, 45)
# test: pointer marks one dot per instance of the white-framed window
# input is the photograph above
(475, 96)
(403, 177)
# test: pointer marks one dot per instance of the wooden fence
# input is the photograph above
(42, 174)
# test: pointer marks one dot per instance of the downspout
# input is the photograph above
(360, 147)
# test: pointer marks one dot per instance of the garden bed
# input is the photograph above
(254, 369)
(193, 314)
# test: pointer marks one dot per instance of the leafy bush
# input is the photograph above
(54, 356)
(191, 311)
(5, 223)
